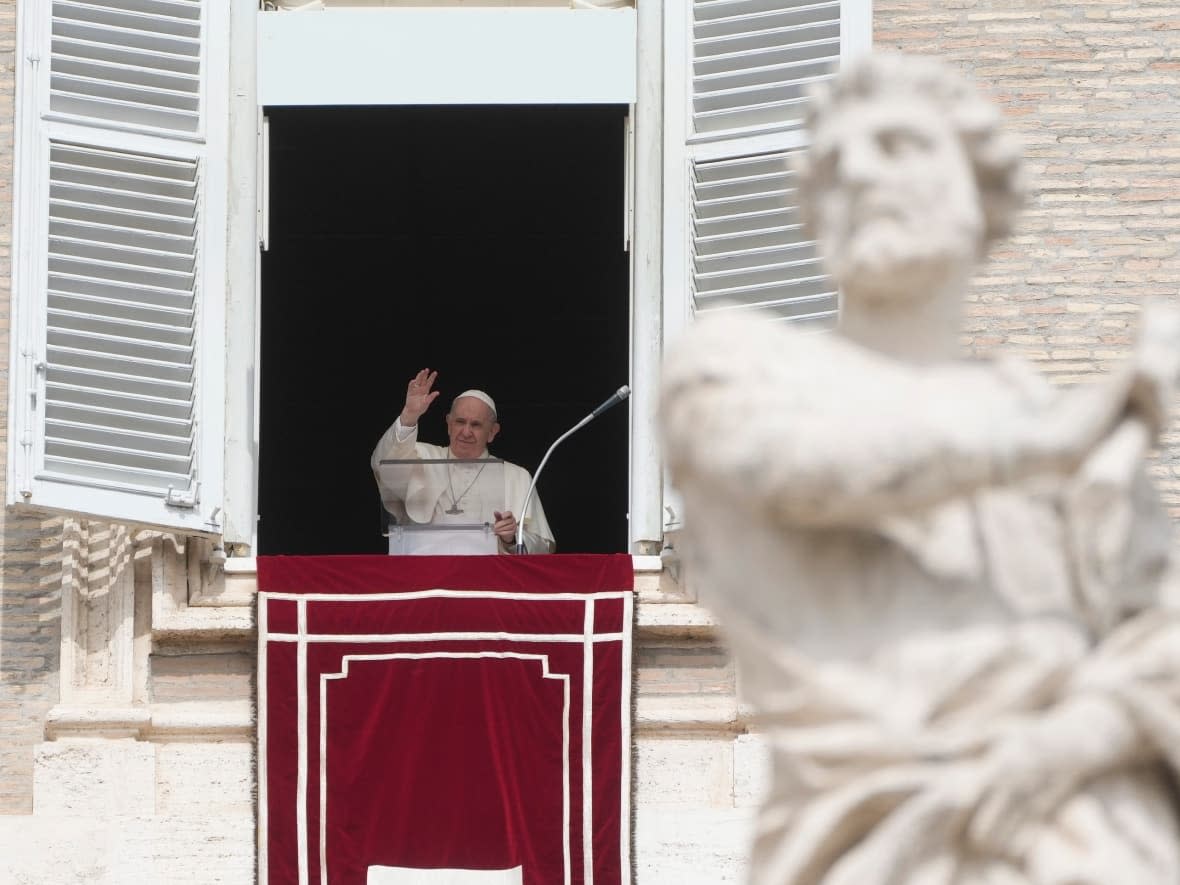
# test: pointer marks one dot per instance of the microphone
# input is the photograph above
(613, 400)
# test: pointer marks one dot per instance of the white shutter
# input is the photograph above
(120, 352)
(752, 61)
(736, 79)
(736, 84)
(748, 247)
(134, 62)
(118, 290)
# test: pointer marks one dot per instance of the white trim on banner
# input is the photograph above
(382, 875)
(456, 594)
(444, 637)
(587, 736)
(625, 742)
(453, 655)
(301, 762)
(263, 814)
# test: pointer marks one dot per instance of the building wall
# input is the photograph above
(1091, 87)
(140, 766)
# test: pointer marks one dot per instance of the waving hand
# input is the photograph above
(419, 395)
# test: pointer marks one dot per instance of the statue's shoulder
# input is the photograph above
(1021, 376)
(749, 353)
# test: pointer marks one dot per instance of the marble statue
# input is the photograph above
(947, 582)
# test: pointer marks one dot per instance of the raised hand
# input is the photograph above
(419, 395)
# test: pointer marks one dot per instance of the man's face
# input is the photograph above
(471, 427)
(896, 206)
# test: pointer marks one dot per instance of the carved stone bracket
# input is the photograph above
(196, 594)
(122, 590)
(105, 633)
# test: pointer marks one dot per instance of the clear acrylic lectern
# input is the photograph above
(443, 506)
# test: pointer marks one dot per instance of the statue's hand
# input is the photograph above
(1065, 433)
(1044, 761)
(1156, 365)
(1023, 788)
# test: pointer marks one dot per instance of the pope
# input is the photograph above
(458, 495)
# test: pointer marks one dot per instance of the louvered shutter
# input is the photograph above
(737, 74)
(736, 84)
(118, 380)
(123, 62)
(748, 246)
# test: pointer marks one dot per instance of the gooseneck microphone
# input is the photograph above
(613, 400)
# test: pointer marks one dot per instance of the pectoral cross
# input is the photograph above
(455, 509)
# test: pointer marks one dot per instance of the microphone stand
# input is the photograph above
(617, 397)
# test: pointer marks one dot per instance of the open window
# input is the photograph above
(485, 242)
(117, 372)
(446, 188)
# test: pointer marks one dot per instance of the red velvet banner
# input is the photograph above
(426, 713)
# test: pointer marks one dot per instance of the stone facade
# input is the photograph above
(167, 795)
(143, 767)
(1091, 87)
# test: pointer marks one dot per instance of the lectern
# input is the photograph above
(442, 506)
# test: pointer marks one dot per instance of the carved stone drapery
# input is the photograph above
(105, 631)
(122, 590)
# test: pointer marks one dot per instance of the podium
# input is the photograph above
(444, 718)
(442, 506)
(442, 540)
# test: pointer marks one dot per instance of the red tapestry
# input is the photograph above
(425, 713)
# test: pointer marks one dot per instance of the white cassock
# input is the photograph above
(433, 496)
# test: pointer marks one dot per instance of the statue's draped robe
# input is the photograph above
(907, 666)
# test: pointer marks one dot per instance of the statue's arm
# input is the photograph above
(818, 431)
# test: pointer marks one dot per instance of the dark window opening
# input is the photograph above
(484, 242)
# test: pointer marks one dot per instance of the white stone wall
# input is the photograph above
(697, 775)
(144, 770)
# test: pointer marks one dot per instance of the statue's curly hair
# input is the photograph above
(994, 155)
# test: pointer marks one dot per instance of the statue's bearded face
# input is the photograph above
(895, 203)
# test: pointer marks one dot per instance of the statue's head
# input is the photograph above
(908, 177)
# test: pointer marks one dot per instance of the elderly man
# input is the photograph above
(457, 496)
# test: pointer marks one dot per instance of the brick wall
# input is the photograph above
(1092, 87)
(30, 562)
